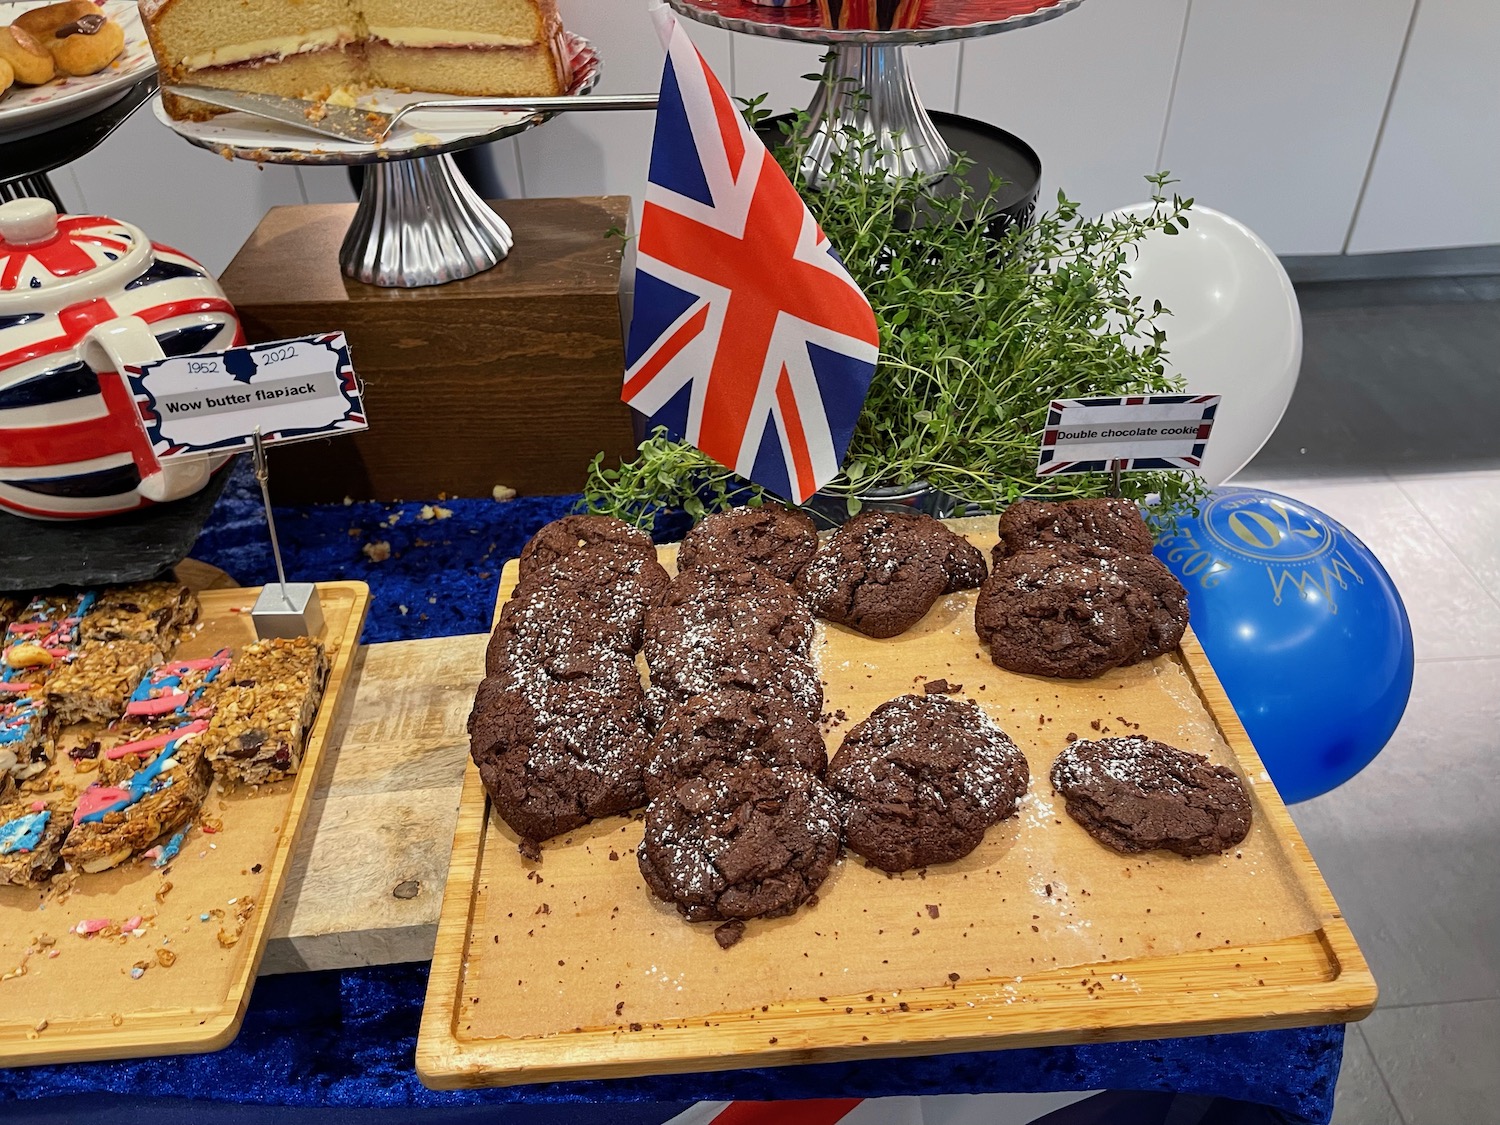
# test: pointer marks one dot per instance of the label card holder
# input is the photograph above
(290, 390)
(1126, 433)
(242, 400)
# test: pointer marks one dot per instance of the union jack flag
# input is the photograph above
(71, 442)
(748, 337)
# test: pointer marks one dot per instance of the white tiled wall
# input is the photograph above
(1269, 111)
(1433, 181)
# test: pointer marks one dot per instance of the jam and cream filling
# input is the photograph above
(328, 38)
(273, 47)
(446, 37)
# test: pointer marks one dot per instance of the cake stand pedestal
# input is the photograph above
(420, 223)
(866, 84)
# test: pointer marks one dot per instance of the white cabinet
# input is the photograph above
(1434, 176)
(1088, 90)
(1269, 110)
(186, 197)
(1277, 108)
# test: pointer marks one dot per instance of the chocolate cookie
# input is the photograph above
(591, 668)
(730, 623)
(732, 728)
(613, 586)
(1156, 596)
(740, 843)
(880, 573)
(922, 778)
(765, 671)
(697, 585)
(965, 565)
(1060, 613)
(544, 623)
(1028, 524)
(554, 758)
(771, 538)
(1136, 794)
(561, 538)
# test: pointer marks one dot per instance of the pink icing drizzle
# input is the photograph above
(97, 797)
(161, 705)
(145, 746)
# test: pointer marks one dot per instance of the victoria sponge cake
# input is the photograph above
(309, 48)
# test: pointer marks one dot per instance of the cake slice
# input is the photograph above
(31, 838)
(148, 788)
(263, 708)
(42, 637)
(24, 747)
(291, 48)
(311, 48)
(94, 683)
(172, 693)
(473, 47)
(152, 612)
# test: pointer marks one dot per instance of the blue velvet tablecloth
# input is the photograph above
(346, 1039)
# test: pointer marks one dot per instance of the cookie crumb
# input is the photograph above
(729, 934)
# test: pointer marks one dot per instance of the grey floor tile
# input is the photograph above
(1408, 847)
(1361, 1097)
(1465, 510)
(1452, 614)
(1441, 1061)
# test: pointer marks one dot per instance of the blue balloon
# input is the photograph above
(1304, 628)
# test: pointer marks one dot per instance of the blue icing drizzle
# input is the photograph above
(160, 679)
(170, 849)
(151, 683)
(16, 720)
(24, 833)
(141, 784)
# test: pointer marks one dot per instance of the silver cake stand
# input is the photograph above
(866, 84)
(418, 221)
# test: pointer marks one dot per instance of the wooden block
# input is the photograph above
(511, 377)
(367, 883)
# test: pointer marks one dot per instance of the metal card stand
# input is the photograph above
(287, 609)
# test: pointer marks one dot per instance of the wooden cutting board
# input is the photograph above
(1041, 936)
(209, 910)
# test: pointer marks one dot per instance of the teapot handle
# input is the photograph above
(124, 341)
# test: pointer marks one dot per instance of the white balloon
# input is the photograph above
(1235, 328)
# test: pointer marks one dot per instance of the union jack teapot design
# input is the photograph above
(81, 296)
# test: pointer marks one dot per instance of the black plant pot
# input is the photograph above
(993, 151)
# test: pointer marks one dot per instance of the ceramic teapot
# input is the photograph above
(81, 296)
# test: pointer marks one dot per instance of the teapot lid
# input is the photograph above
(41, 251)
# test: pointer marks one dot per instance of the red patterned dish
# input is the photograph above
(889, 21)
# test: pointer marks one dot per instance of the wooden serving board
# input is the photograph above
(567, 969)
(83, 1004)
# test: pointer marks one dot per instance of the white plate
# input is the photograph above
(248, 137)
(25, 110)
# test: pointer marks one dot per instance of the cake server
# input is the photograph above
(566, 103)
(372, 127)
(361, 126)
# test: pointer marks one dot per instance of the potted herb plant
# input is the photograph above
(979, 331)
